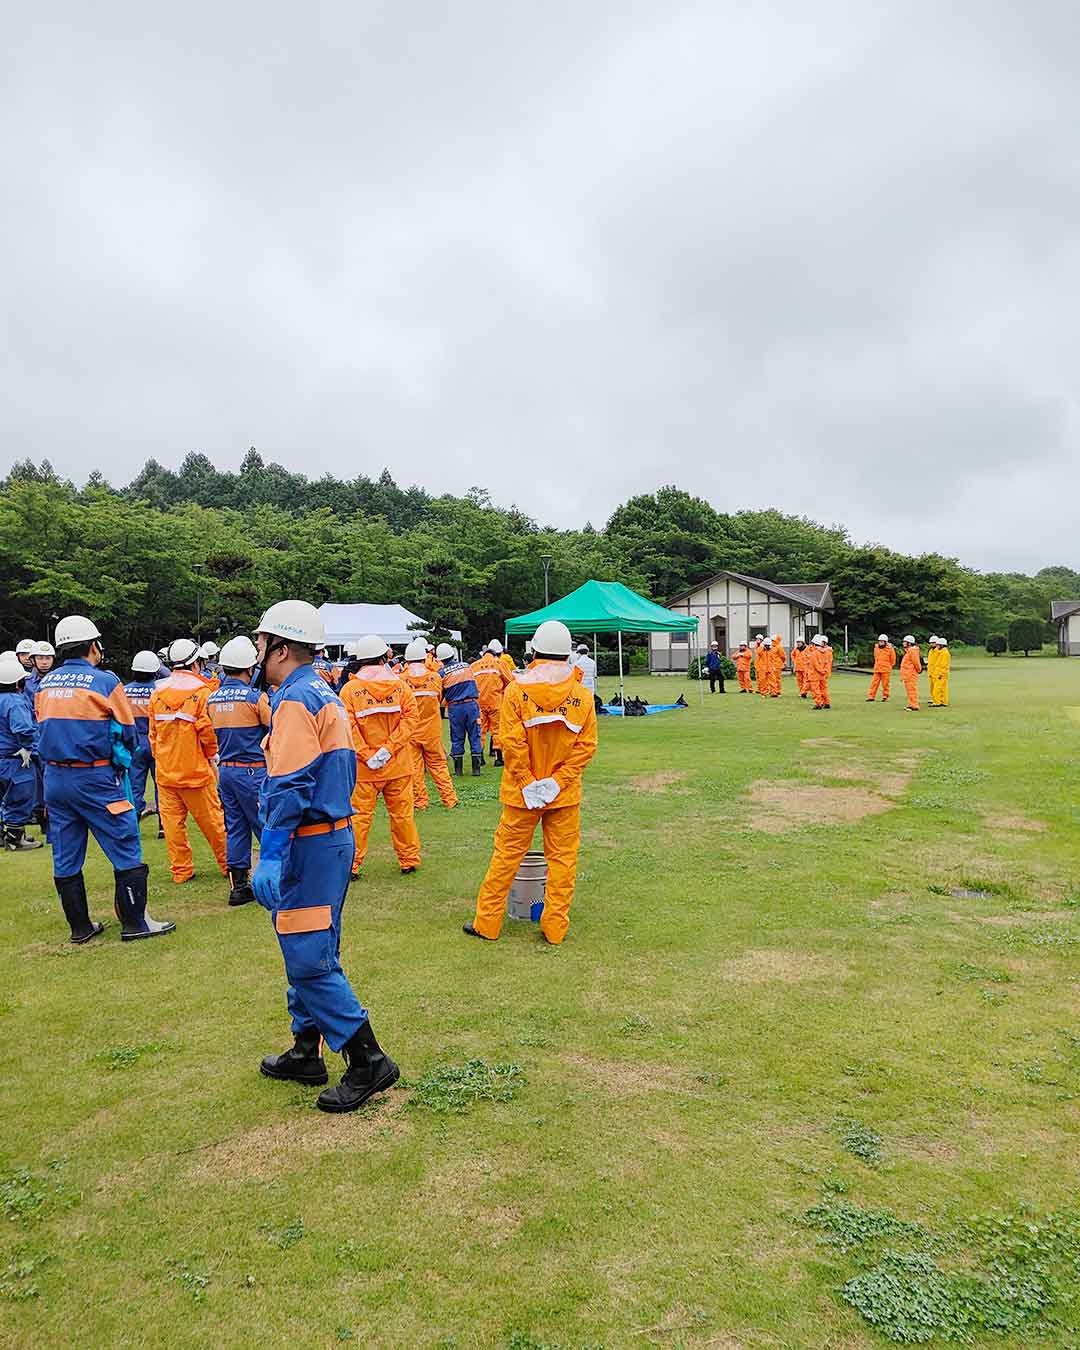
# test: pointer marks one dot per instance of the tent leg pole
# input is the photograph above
(596, 663)
(622, 689)
(700, 674)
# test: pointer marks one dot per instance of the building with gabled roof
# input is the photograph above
(1066, 614)
(734, 608)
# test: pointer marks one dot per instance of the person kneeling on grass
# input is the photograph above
(548, 731)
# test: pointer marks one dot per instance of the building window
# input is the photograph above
(680, 638)
(759, 632)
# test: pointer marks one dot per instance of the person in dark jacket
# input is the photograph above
(714, 666)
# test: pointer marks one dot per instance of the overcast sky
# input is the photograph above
(820, 256)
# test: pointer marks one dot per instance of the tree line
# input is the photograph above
(198, 550)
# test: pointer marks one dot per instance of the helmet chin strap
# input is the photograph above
(271, 647)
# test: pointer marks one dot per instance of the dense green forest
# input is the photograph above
(198, 549)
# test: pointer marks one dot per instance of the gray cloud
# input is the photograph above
(819, 257)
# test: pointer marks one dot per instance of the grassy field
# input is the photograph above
(779, 1084)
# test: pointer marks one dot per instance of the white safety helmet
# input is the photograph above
(909, 641)
(145, 663)
(208, 650)
(183, 652)
(552, 638)
(416, 650)
(495, 646)
(296, 621)
(819, 641)
(445, 652)
(767, 642)
(25, 647)
(163, 652)
(883, 637)
(239, 654)
(370, 648)
(711, 644)
(4, 655)
(11, 669)
(44, 649)
(74, 630)
(943, 642)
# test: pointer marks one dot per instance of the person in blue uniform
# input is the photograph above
(144, 667)
(241, 717)
(463, 708)
(42, 659)
(86, 737)
(305, 856)
(18, 746)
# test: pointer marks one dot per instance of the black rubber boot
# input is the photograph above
(130, 903)
(302, 1063)
(241, 892)
(498, 759)
(15, 840)
(369, 1070)
(72, 893)
(477, 760)
(459, 761)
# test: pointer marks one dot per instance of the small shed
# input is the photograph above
(734, 608)
(1066, 614)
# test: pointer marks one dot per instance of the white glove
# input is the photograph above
(531, 796)
(547, 790)
(25, 756)
(379, 758)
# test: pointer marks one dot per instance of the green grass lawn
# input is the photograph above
(772, 1088)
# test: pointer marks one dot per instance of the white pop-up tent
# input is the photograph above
(394, 623)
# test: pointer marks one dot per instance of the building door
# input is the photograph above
(719, 633)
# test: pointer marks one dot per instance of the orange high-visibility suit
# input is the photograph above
(183, 744)
(766, 668)
(759, 667)
(779, 657)
(819, 668)
(743, 658)
(938, 662)
(491, 679)
(884, 660)
(800, 668)
(548, 732)
(382, 714)
(427, 742)
(910, 668)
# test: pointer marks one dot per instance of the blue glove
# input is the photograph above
(266, 879)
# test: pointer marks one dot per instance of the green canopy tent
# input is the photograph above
(605, 607)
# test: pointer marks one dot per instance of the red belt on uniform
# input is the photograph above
(78, 764)
(242, 764)
(324, 827)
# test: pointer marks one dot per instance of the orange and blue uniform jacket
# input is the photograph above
(142, 761)
(306, 851)
(81, 709)
(18, 786)
(241, 716)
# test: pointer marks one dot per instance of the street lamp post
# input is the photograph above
(547, 560)
(197, 569)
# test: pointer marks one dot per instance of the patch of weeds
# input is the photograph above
(25, 1196)
(993, 997)
(860, 1141)
(1015, 1272)
(191, 1281)
(126, 1056)
(846, 1226)
(927, 802)
(1041, 935)
(345, 1334)
(634, 1024)
(6, 1006)
(871, 1075)
(450, 1089)
(470, 794)
(935, 889)
(964, 970)
(955, 775)
(534, 1039)
(1070, 901)
(834, 1184)
(16, 1282)
(289, 1236)
(987, 886)
(711, 1079)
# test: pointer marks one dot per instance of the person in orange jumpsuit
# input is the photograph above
(549, 737)
(184, 747)
(884, 660)
(819, 668)
(800, 658)
(427, 743)
(759, 665)
(491, 679)
(910, 668)
(766, 668)
(382, 714)
(743, 659)
(779, 658)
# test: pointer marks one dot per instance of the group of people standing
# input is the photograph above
(938, 664)
(259, 744)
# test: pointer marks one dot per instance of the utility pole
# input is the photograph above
(197, 569)
(547, 560)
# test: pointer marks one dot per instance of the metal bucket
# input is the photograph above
(526, 898)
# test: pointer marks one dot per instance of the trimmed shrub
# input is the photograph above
(996, 644)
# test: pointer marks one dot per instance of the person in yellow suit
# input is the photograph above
(779, 657)
(184, 748)
(382, 714)
(910, 669)
(427, 743)
(491, 679)
(548, 738)
(938, 662)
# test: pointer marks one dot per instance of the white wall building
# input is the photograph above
(733, 608)
(1066, 614)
